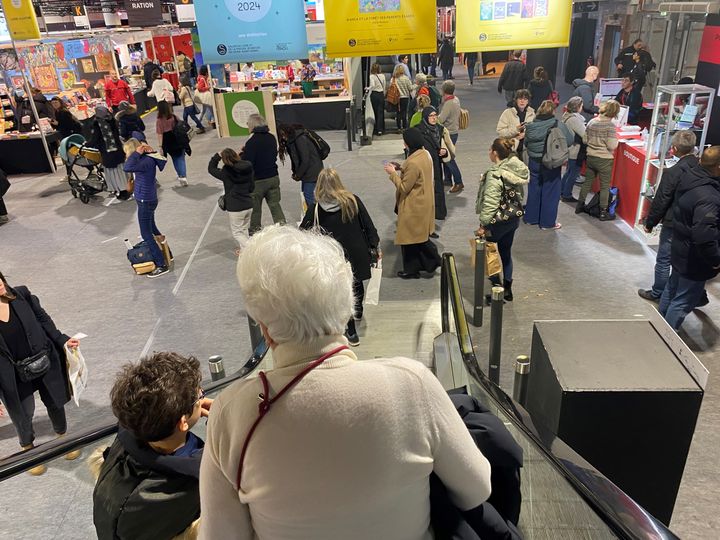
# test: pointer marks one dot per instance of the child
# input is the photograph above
(147, 486)
(128, 120)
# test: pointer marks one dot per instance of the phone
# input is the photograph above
(385, 162)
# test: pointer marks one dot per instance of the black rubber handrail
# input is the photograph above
(626, 518)
(19, 463)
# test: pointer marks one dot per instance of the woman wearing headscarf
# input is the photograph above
(436, 140)
(106, 138)
(415, 207)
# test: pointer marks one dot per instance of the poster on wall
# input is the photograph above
(104, 62)
(240, 105)
(45, 79)
(253, 30)
(142, 13)
(20, 19)
(375, 27)
(492, 25)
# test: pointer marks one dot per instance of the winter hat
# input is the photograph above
(123, 106)
(139, 135)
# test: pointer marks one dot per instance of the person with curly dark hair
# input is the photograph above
(305, 159)
(147, 484)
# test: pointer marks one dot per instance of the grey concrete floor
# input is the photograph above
(72, 256)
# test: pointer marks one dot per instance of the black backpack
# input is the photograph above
(182, 133)
(322, 146)
(593, 207)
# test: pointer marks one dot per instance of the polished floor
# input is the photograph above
(73, 257)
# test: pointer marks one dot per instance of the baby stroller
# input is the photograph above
(75, 154)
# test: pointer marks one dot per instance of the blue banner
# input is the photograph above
(251, 30)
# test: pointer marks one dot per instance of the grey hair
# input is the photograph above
(448, 87)
(684, 141)
(296, 283)
(255, 121)
(421, 78)
(574, 104)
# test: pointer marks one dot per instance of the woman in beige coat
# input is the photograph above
(415, 208)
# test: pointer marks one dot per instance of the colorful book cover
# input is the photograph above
(513, 9)
(486, 10)
(499, 10)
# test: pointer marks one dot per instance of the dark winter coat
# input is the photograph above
(42, 106)
(432, 144)
(109, 159)
(446, 55)
(356, 236)
(584, 89)
(143, 495)
(662, 205)
(696, 228)
(238, 182)
(633, 101)
(626, 59)
(144, 167)
(129, 122)
(67, 124)
(514, 76)
(304, 158)
(540, 90)
(42, 334)
(171, 145)
(147, 73)
(261, 149)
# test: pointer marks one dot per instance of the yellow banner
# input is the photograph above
(21, 20)
(379, 27)
(498, 25)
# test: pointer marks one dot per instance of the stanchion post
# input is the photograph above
(522, 376)
(348, 127)
(256, 336)
(496, 321)
(479, 296)
(217, 367)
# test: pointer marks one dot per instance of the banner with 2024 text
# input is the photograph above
(500, 25)
(251, 30)
(380, 27)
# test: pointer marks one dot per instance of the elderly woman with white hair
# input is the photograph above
(575, 122)
(335, 448)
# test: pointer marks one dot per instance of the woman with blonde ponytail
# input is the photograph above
(342, 215)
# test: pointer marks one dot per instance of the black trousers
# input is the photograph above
(3, 209)
(359, 294)
(378, 104)
(22, 420)
(422, 257)
(402, 115)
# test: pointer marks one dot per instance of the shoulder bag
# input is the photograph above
(510, 205)
(33, 367)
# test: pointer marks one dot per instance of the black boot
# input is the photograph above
(605, 216)
(351, 334)
(508, 290)
(580, 207)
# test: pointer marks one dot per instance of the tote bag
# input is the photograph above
(372, 292)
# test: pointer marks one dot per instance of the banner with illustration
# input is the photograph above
(380, 27)
(252, 30)
(499, 25)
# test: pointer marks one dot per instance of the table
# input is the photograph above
(313, 113)
(26, 156)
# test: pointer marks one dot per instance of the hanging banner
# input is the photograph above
(492, 25)
(370, 27)
(144, 13)
(21, 20)
(185, 11)
(252, 30)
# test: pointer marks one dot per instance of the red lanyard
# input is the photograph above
(266, 402)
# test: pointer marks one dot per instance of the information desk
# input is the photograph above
(26, 155)
(313, 113)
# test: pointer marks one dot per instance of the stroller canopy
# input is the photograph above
(73, 140)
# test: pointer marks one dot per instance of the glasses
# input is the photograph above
(200, 397)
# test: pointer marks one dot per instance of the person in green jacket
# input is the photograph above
(422, 102)
(502, 183)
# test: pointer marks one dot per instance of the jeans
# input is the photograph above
(240, 226)
(662, 262)
(22, 420)
(679, 298)
(503, 234)
(308, 190)
(471, 71)
(452, 171)
(207, 110)
(568, 179)
(509, 96)
(190, 112)
(148, 229)
(267, 189)
(402, 115)
(179, 164)
(543, 195)
(602, 167)
(378, 104)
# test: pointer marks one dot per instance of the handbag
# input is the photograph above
(510, 205)
(372, 251)
(221, 202)
(33, 367)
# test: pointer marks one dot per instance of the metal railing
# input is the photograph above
(624, 517)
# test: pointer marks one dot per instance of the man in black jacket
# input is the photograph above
(148, 483)
(624, 61)
(630, 96)
(695, 249)
(661, 210)
(514, 77)
(148, 69)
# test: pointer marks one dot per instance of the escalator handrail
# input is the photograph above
(21, 462)
(620, 512)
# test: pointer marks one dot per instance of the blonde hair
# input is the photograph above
(546, 107)
(610, 108)
(398, 71)
(423, 101)
(130, 146)
(330, 189)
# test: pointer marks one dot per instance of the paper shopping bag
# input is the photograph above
(372, 293)
(493, 265)
(77, 372)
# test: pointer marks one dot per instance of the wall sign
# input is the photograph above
(21, 20)
(144, 13)
(185, 11)
(251, 30)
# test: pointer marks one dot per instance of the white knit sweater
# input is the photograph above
(346, 454)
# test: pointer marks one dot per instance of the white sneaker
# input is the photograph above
(183, 181)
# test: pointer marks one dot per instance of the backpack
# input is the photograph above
(556, 148)
(322, 146)
(435, 97)
(464, 118)
(593, 207)
(183, 133)
(393, 94)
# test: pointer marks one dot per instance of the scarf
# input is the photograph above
(103, 119)
(433, 130)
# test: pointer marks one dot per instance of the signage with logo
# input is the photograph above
(80, 16)
(185, 11)
(251, 30)
(143, 13)
(21, 20)
(236, 108)
(491, 25)
(379, 27)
